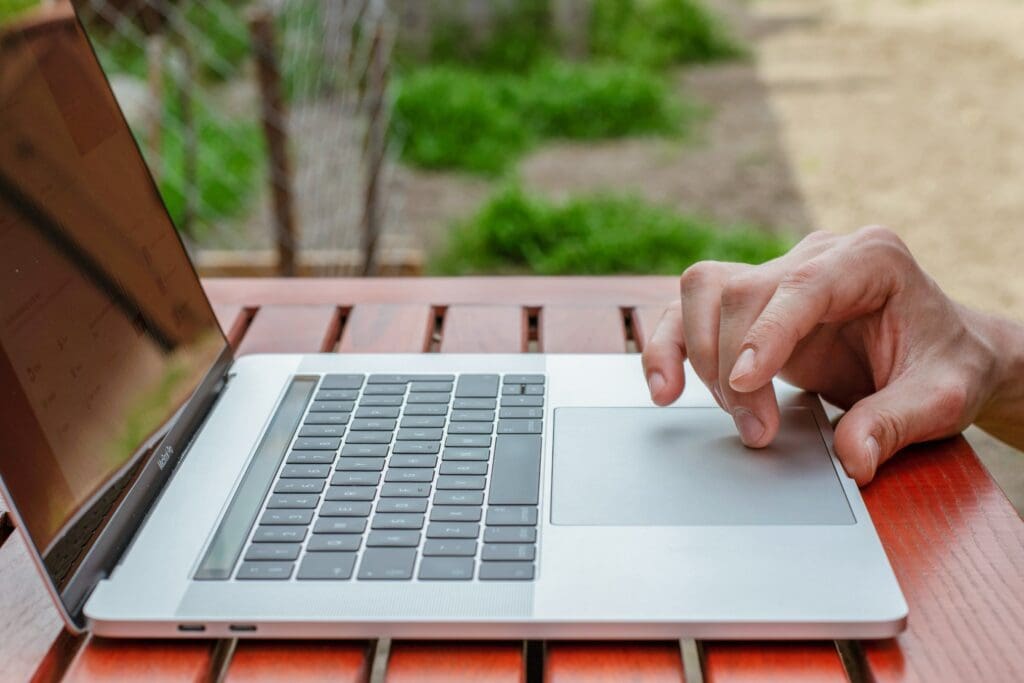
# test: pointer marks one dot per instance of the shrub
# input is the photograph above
(520, 36)
(598, 234)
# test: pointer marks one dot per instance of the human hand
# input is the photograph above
(853, 318)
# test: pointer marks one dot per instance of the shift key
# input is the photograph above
(515, 472)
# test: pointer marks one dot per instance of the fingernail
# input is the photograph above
(874, 451)
(751, 429)
(716, 391)
(744, 365)
(655, 382)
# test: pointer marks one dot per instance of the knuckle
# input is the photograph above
(698, 276)
(817, 237)
(740, 289)
(771, 328)
(803, 276)
(950, 400)
(893, 427)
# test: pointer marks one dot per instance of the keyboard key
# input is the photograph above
(293, 501)
(522, 401)
(432, 409)
(472, 416)
(466, 454)
(446, 568)
(402, 505)
(445, 387)
(511, 516)
(422, 421)
(515, 475)
(534, 390)
(405, 379)
(341, 382)
(524, 379)
(337, 395)
(320, 543)
(427, 447)
(510, 534)
(468, 440)
(506, 571)
(358, 450)
(325, 565)
(370, 424)
(322, 430)
(331, 406)
(377, 411)
(470, 428)
(350, 493)
(452, 530)
(454, 467)
(339, 525)
(521, 413)
(413, 461)
(449, 547)
(397, 521)
(381, 401)
(477, 386)
(474, 404)
(368, 438)
(384, 390)
(299, 485)
(355, 479)
(419, 434)
(284, 552)
(326, 419)
(409, 474)
(460, 483)
(310, 458)
(305, 471)
(361, 464)
(387, 563)
(512, 390)
(454, 513)
(286, 517)
(506, 552)
(520, 427)
(345, 508)
(427, 398)
(397, 538)
(279, 534)
(264, 571)
(458, 498)
(405, 491)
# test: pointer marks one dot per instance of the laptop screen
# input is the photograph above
(105, 331)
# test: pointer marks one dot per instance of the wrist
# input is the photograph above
(1002, 410)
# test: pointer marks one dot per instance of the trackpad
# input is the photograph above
(687, 466)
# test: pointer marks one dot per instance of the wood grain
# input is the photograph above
(291, 329)
(957, 547)
(339, 662)
(153, 661)
(419, 662)
(757, 662)
(582, 329)
(484, 329)
(28, 619)
(388, 328)
(653, 662)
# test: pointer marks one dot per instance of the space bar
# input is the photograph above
(515, 477)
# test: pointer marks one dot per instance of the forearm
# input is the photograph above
(1003, 414)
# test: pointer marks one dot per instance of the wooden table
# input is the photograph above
(956, 543)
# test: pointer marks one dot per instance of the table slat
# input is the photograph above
(654, 662)
(28, 620)
(388, 328)
(763, 662)
(419, 662)
(304, 662)
(233, 320)
(484, 329)
(291, 329)
(153, 661)
(582, 329)
(957, 547)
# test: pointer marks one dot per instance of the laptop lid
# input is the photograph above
(109, 350)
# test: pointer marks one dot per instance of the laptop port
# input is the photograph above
(191, 628)
(242, 628)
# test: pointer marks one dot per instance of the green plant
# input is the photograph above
(598, 234)
(658, 33)
(11, 8)
(520, 35)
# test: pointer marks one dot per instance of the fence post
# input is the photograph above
(375, 146)
(261, 29)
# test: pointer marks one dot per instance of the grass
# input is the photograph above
(12, 8)
(596, 234)
(450, 117)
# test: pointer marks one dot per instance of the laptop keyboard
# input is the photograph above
(392, 477)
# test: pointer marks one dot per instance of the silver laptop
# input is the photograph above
(167, 489)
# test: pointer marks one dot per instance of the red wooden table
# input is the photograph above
(956, 543)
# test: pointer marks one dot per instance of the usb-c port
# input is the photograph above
(191, 628)
(244, 628)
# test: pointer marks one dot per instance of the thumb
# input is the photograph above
(900, 414)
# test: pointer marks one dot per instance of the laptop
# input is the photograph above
(168, 489)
